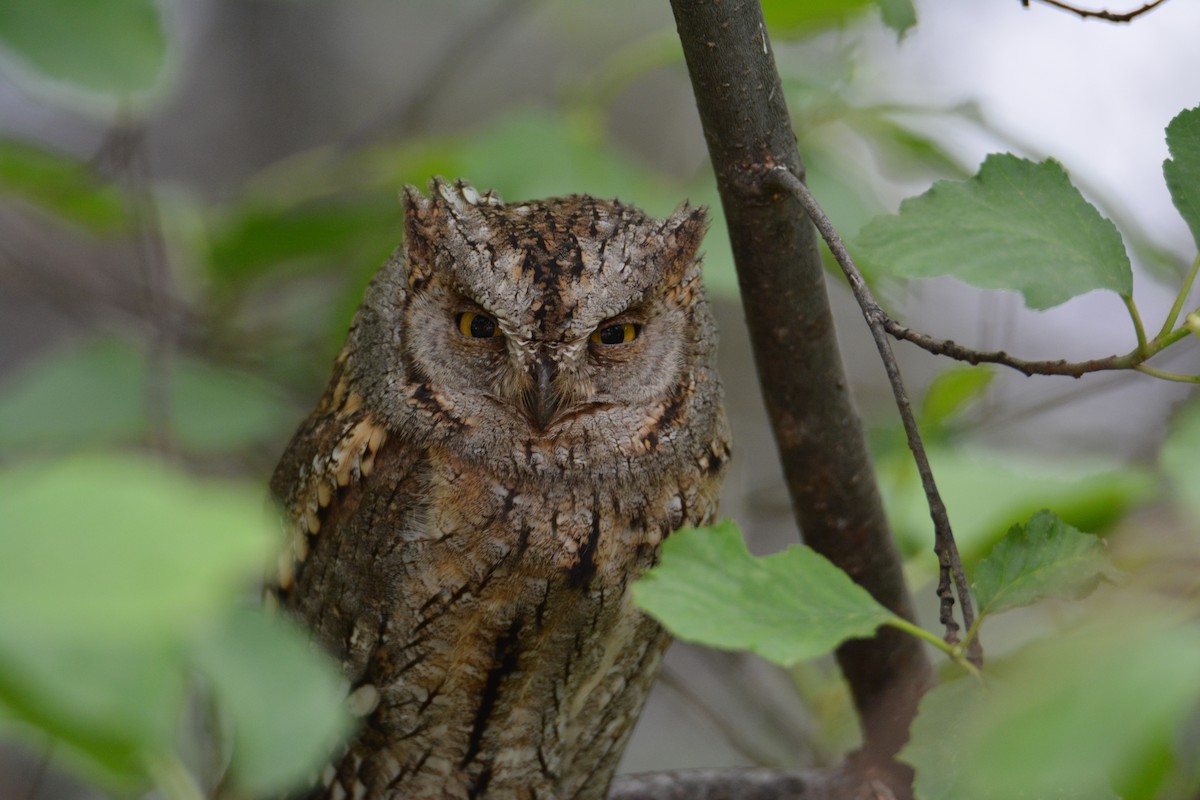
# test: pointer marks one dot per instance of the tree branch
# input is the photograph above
(1107, 16)
(949, 563)
(820, 438)
(750, 784)
(950, 349)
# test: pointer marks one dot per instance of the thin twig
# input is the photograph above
(949, 562)
(1180, 298)
(1107, 16)
(951, 349)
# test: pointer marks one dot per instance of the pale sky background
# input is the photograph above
(1096, 96)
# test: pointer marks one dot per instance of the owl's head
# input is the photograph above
(557, 326)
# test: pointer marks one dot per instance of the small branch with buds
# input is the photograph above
(1107, 16)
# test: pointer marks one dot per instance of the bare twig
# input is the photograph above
(951, 349)
(1107, 16)
(949, 563)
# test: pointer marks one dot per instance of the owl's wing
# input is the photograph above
(327, 467)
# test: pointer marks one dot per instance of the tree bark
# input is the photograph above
(820, 437)
(751, 784)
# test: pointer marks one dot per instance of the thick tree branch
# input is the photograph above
(820, 437)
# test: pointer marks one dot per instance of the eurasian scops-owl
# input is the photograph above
(525, 407)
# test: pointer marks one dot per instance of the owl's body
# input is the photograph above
(525, 407)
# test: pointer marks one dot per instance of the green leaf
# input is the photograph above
(1182, 169)
(899, 15)
(1044, 558)
(1016, 225)
(136, 551)
(987, 492)
(1064, 718)
(113, 563)
(211, 409)
(109, 706)
(788, 17)
(786, 607)
(1180, 457)
(40, 408)
(60, 185)
(285, 700)
(258, 238)
(217, 410)
(952, 391)
(113, 46)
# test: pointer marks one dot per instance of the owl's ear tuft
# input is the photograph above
(682, 233)
(422, 225)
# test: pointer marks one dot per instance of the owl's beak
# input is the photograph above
(544, 399)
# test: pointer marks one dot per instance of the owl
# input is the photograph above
(525, 407)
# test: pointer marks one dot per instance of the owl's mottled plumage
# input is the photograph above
(469, 512)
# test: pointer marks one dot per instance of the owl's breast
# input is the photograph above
(506, 656)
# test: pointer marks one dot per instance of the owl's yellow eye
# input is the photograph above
(477, 326)
(621, 333)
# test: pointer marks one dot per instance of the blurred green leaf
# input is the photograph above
(321, 235)
(791, 18)
(1180, 457)
(40, 408)
(951, 392)
(120, 549)
(902, 152)
(107, 565)
(285, 700)
(1182, 169)
(787, 18)
(1064, 718)
(217, 410)
(787, 607)
(211, 410)
(1043, 558)
(535, 153)
(987, 492)
(113, 46)
(899, 15)
(109, 706)
(61, 185)
(1016, 225)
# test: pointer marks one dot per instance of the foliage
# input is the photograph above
(786, 17)
(41, 410)
(1041, 722)
(786, 607)
(1044, 558)
(117, 46)
(1096, 710)
(1099, 707)
(126, 591)
(1015, 225)
(60, 186)
(131, 576)
(1182, 170)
